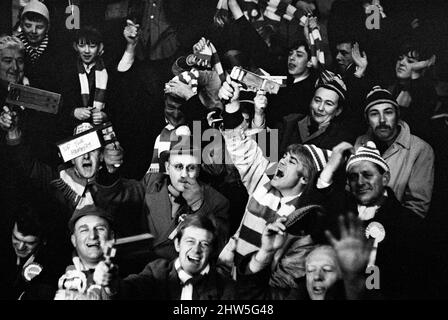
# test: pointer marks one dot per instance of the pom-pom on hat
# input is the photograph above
(367, 152)
(320, 156)
(331, 81)
(379, 95)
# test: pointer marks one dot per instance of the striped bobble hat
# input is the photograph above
(320, 156)
(379, 95)
(367, 152)
(331, 81)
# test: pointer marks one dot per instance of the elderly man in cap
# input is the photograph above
(410, 159)
(167, 197)
(394, 229)
(91, 230)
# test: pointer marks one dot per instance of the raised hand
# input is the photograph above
(352, 249)
(273, 236)
(8, 119)
(113, 156)
(200, 45)
(272, 239)
(419, 67)
(193, 193)
(261, 102)
(229, 91)
(98, 116)
(360, 60)
(305, 6)
(131, 32)
(82, 113)
(337, 158)
(179, 89)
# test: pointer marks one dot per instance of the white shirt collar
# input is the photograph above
(302, 77)
(88, 67)
(368, 212)
(287, 199)
(187, 290)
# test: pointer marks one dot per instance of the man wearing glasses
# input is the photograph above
(168, 197)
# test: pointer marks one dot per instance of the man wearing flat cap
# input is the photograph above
(410, 159)
(91, 229)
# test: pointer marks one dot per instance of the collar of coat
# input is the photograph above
(403, 139)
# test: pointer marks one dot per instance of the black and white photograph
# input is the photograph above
(244, 152)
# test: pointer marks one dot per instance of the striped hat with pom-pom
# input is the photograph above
(367, 152)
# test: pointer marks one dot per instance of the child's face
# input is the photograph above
(88, 51)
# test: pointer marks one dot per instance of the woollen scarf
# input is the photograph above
(264, 207)
(34, 52)
(101, 78)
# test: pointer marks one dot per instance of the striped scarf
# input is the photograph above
(275, 11)
(263, 207)
(101, 78)
(33, 52)
(189, 77)
(209, 53)
(162, 143)
(73, 188)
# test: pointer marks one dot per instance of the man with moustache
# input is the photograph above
(410, 159)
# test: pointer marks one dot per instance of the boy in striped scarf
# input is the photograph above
(92, 76)
(289, 193)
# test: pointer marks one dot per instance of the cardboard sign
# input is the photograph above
(87, 141)
(33, 98)
(254, 82)
(130, 247)
(79, 146)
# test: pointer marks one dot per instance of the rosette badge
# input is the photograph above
(31, 271)
(376, 231)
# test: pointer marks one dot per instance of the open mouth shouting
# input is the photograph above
(319, 290)
(280, 173)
